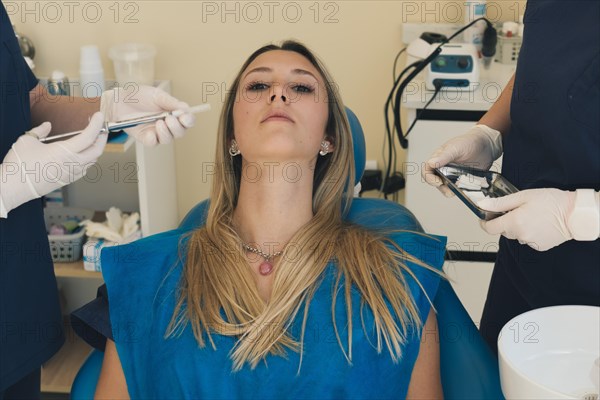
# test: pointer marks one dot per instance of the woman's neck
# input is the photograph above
(272, 209)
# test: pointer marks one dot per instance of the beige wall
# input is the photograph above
(201, 46)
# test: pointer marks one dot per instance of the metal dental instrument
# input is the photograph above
(128, 123)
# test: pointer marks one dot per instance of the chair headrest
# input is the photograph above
(360, 148)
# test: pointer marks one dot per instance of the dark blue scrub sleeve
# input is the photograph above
(92, 321)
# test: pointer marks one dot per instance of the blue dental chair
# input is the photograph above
(468, 368)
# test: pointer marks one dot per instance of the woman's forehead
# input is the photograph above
(282, 61)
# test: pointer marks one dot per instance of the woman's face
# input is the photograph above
(281, 109)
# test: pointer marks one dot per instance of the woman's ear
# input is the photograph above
(326, 147)
(329, 139)
(233, 148)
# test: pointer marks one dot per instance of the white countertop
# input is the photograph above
(492, 81)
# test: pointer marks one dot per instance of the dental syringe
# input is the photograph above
(129, 123)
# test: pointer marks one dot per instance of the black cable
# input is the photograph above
(396, 63)
(391, 147)
(424, 63)
(393, 155)
(400, 91)
(464, 28)
(395, 97)
(389, 100)
(438, 88)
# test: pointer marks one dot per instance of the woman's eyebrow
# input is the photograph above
(258, 69)
(297, 71)
(300, 71)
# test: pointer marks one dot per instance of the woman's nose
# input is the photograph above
(283, 98)
(278, 92)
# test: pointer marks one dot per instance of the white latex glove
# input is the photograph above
(478, 148)
(32, 169)
(538, 217)
(134, 101)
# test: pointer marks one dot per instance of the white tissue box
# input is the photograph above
(91, 253)
(93, 248)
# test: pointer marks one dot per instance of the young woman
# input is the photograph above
(277, 294)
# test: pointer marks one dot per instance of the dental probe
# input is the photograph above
(128, 123)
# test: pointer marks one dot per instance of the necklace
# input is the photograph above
(266, 267)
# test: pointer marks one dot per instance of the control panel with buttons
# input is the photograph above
(455, 68)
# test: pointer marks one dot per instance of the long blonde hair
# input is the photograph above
(217, 281)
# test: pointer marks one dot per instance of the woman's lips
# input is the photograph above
(277, 116)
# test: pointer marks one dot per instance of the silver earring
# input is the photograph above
(324, 148)
(233, 149)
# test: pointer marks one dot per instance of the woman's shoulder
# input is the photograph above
(161, 245)
(382, 214)
(156, 249)
(400, 225)
(134, 275)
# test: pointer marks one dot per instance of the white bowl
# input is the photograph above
(551, 353)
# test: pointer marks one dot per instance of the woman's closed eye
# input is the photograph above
(296, 87)
(257, 86)
(302, 88)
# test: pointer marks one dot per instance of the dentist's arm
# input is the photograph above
(65, 113)
(498, 116)
(477, 148)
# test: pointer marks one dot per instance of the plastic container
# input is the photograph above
(91, 74)
(510, 28)
(133, 62)
(474, 9)
(66, 248)
(58, 84)
(507, 49)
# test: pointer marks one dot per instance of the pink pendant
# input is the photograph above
(265, 268)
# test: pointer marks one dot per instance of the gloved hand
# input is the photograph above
(478, 148)
(32, 169)
(134, 101)
(539, 217)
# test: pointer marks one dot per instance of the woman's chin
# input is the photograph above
(278, 156)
